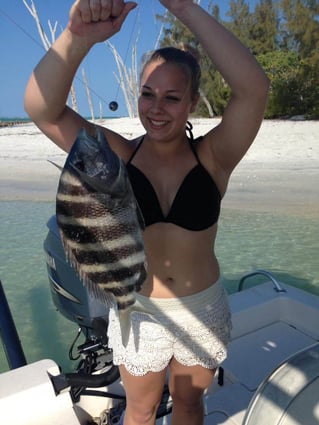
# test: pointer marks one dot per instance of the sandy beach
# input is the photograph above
(279, 173)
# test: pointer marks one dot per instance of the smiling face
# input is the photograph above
(165, 100)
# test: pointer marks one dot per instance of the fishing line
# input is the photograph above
(21, 28)
(113, 105)
(43, 48)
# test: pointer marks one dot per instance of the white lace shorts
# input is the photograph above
(195, 330)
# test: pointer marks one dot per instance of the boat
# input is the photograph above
(270, 377)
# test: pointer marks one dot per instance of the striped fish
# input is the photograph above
(101, 225)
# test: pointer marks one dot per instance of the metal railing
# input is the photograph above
(9, 335)
(270, 276)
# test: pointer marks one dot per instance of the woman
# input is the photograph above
(178, 183)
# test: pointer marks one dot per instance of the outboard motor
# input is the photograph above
(69, 295)
(73, 300)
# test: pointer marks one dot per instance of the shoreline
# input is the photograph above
(280, 172)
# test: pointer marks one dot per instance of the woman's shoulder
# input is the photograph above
(122, 146)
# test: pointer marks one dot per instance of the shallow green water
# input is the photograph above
(285, 245)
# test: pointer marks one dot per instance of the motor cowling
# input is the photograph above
(69, 295)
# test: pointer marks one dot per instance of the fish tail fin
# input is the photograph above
(125, 325)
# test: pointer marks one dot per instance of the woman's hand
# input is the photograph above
(98, 20)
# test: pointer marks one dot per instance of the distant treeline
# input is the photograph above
(284, 37)
(10, 122)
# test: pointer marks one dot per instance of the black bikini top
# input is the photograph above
(196, 205)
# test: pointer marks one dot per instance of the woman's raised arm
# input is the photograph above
(49, 85)
(248, 82)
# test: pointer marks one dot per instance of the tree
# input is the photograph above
(282, 69)
(46, 42)
(264, 27)
(240, 21)
(176, 34)
(284, 37)
(127, 79)
(300, 27)
(299, 33)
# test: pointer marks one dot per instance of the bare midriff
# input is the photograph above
(182, 262)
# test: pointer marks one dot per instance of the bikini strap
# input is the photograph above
(192, 144)
(192, 141)
(189, 128)
(136, 149)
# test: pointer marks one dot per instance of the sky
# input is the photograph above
(21, 49)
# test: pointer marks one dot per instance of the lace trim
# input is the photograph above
(192, 340)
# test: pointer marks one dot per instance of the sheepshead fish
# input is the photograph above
(101, 225)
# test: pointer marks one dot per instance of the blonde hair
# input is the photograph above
(184, 56)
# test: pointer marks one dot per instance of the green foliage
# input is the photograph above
(264, 27)
(285, 73)
(240, 20)
(284, 37)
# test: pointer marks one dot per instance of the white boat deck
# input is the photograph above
(251, 359)
(268, 328)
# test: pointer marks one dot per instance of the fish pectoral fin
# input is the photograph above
(125, 325)
(140, 217)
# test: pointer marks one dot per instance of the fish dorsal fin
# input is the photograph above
(56, 165)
